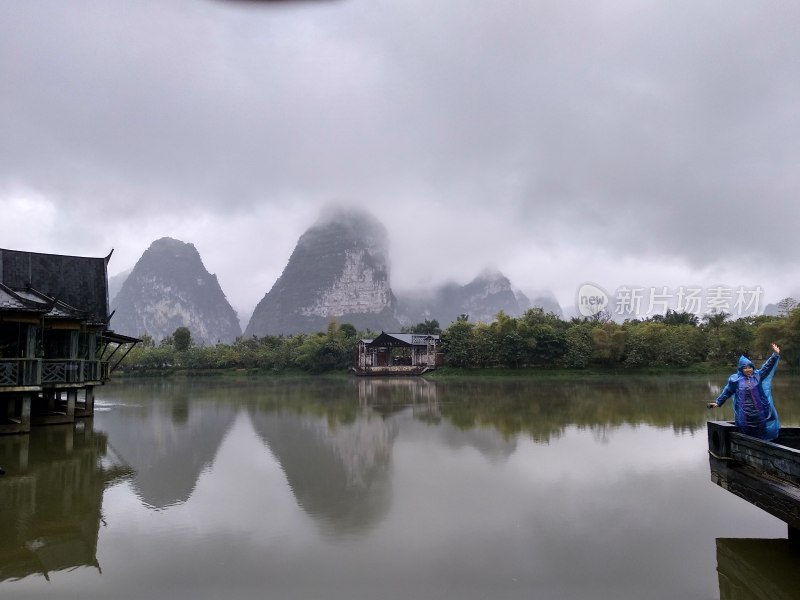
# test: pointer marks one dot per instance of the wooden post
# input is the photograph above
(30, 342)
(25, 412)
(89, 402)
(72, 399)
(719, 441)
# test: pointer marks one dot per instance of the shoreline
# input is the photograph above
(442, 373)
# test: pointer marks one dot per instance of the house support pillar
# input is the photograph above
(25, 412)
(86, 409)
(72, 400)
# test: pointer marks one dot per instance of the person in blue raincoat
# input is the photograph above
(753, 409)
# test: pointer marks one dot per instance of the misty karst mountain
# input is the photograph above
(481, 299)
(168, 288)
(338, 270)
(115, 283)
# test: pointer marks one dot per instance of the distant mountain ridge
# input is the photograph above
(338, 270)
(481, 299)
(169, 288)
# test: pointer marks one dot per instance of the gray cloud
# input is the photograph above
(658, 135)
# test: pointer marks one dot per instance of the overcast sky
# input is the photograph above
(624, 143)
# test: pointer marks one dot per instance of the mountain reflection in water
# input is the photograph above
(335, 450)
(336, 436)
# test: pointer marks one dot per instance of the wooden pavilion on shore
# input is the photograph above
(399, 354)
(55, 345)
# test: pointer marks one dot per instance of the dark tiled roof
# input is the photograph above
(80, 283)
(11, 300)
(58, 309)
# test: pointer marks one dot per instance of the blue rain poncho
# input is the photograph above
(753, 410)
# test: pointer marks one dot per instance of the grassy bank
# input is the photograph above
(170, 372)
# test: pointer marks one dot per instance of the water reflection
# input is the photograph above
(543, 408)
(51, 498)
(392, 394)
(168, 434)
(334, 438)
(421, 399)
(757, 569)
(343, 488)
(338, 471)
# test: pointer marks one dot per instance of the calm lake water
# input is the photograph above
(409, 489)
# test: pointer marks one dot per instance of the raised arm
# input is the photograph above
(768, 368)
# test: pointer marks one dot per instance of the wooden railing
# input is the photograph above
(20, 372)
(28, 372)
(95, 370)
(61, 370)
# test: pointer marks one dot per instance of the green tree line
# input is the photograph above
(676, 339)
(334, 349)
(535, 339)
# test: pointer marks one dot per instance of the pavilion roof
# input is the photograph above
(403, 339)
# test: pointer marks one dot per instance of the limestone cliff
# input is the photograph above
(338, 270)
(169, 288)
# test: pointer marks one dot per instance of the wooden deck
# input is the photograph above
(766, 474)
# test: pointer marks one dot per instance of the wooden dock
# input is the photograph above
(766, 474)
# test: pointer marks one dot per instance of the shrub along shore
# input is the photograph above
(536, 343)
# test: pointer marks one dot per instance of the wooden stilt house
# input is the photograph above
(54, 342)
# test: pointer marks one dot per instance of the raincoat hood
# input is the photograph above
(745, 362)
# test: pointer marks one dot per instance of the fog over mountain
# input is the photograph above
(115, 283)
(480, 299)
(339, 270)
(617, 143)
